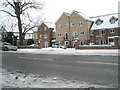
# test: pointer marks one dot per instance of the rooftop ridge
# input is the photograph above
(104, 15)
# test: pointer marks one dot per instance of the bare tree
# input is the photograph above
(19, 9)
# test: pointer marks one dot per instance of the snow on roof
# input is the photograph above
(82, 15)
(50, 24)
(64, 13)
(106, 21)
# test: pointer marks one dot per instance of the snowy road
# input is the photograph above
(94, 70)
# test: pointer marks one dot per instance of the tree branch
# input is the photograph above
(8, 13)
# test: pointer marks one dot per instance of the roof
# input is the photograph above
(64, 13)
(106, 22)
(82, 15)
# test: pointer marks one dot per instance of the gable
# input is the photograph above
(64, 15)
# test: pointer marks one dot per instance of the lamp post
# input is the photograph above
(76, 43)
(13, 40)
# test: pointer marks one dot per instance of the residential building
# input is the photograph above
(105, 30)
(43, 35)
(70, 27)
(28, 35)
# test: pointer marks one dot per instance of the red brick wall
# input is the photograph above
(42, 32)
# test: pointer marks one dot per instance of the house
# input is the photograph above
(6, 36)
(105, 30)
(3, 33)
(43, 36)
(28, 35)
(70, 27)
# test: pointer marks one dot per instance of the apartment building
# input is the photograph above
(105, 30)
(70, 27)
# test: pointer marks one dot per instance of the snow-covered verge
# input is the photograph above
(71, 51)
(17, 79)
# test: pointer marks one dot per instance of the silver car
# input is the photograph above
(8, 46)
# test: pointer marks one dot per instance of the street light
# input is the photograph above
(13, 40)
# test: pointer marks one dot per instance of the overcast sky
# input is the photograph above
(54, 8)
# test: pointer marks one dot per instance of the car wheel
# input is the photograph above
(5, 49)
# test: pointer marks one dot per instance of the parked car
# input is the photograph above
(62, 46)
(8, 46)
(34, 45)
(55, 45)
(58, 46)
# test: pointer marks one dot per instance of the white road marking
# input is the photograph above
(37, 59)
(97, 63)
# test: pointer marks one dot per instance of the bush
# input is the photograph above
(30, 41)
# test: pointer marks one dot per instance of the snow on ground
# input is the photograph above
(17, 79)
(71, 51)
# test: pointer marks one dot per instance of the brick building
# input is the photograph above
(43, 36)
(105, 30)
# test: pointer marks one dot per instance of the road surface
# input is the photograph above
(101, 70)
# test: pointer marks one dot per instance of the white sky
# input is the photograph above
(54, 8)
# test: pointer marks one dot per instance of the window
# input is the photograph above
(82, 42)
(97, 41)
(60, 26)
(75, 35)
(98, 21)
(66, 43)
(92, 41)
(40, 29)
(102, 32)
(40, 36)
(45, 36)
(82, 33)
(45, 28)
(80, 24)
(111, 40)
(112, 31)
(91, 33)
(36, 36)
(102, 42)
(29, 35)
(59, 34)
(45, 44)
(113, 20)
(72, 24)
(67, 25)
(65, 36)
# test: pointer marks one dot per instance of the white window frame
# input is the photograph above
(45, 44)
(60, 26)
(66, 43)
(80, 24)
(65, 37)
(82, 41)
(75, 35)
(112, 30)
(82, 33)
(45, 36)
(101, 32)
(67, 24)
(72, 24)
(40, 36)
(91, 33)
(45, 28)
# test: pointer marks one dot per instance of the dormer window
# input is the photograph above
(98, 21)
(113, 20)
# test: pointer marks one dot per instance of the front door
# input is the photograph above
(45, 44)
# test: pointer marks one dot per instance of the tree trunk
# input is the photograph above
(20, 30)
(18, 13)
